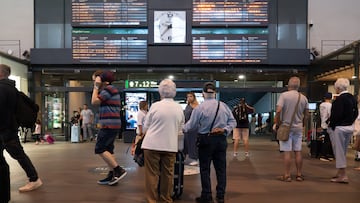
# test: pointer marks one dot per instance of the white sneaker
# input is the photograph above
(247, 154)
(194, 163)
(31, 186)
(235, 154)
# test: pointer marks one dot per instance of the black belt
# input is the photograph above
(211, 135)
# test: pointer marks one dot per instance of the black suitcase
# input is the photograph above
(315, 148)
(315, 143)
(178, 176)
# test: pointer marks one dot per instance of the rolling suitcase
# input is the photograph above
(178, 176)
(75, 133)
(315, 143)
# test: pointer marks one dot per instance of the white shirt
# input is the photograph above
(325, 110)
(37, 129)
(86, 115)
(163, 126)
(140, 119)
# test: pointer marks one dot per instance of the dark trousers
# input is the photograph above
(190, 147)
(4, 178)
(212, 149)
(16, 151)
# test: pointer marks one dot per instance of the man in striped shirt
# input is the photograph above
(108, 97)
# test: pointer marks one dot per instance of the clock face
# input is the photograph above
(169, 26)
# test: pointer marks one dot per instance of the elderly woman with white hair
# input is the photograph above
(343, 114)
(162, 127)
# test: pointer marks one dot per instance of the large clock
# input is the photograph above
(169, 26)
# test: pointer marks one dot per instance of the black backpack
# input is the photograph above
(26, 111)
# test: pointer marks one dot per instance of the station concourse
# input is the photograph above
(70, 171)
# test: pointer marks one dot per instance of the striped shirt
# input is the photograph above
(109, 110)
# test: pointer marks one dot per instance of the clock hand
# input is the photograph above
(167, 29)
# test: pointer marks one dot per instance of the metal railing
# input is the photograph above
(328, 46)
(11, 47)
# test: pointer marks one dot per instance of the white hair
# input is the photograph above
(167, 89)
(342, 84)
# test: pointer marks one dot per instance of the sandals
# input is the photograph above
(284, 178)
(300, 178)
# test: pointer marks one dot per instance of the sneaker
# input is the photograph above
(235, 154)
(106, 180)
(194, 163)
(204, 200)
(324, 159)
(188, 161)
(31, 186)
(117, 177)
(220, 200)
(247, 154)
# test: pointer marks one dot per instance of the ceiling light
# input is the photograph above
(241, 77)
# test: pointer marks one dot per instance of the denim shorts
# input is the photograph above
(105, 140)
(293, 144)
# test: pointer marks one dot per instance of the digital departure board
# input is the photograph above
(229, 49)
(116, 47)
(109, 13)
(230, 13)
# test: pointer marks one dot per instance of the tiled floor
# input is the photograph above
(70, 171)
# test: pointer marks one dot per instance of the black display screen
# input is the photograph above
(230, 13)
(103, 46)
(224, 46)
(109, 13)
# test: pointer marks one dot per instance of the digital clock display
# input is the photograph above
(141, 84)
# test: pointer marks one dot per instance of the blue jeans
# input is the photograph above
(16, 151)
(213, 149)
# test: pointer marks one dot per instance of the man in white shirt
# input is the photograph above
(87, 117)
(325, 110)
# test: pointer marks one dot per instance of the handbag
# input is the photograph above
(138, 152)
(282, 134)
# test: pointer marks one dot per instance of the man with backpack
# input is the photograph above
(9, 128)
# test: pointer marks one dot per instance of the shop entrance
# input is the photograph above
(54, 114)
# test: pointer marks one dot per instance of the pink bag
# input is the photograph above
(50, 139)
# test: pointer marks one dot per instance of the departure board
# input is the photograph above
(109, 13)
(97, 47)
(230, 13)
(229, 49)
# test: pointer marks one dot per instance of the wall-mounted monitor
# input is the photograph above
(312, 106)
(132, 100)
(109, 13)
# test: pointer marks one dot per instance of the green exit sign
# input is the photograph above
(141, 84)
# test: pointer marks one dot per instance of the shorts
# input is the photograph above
(293, 144)
(241, 133)
(105, 141)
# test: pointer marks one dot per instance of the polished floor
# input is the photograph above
(70, 171)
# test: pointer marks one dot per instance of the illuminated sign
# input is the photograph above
(141, 84)
(109, 13)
